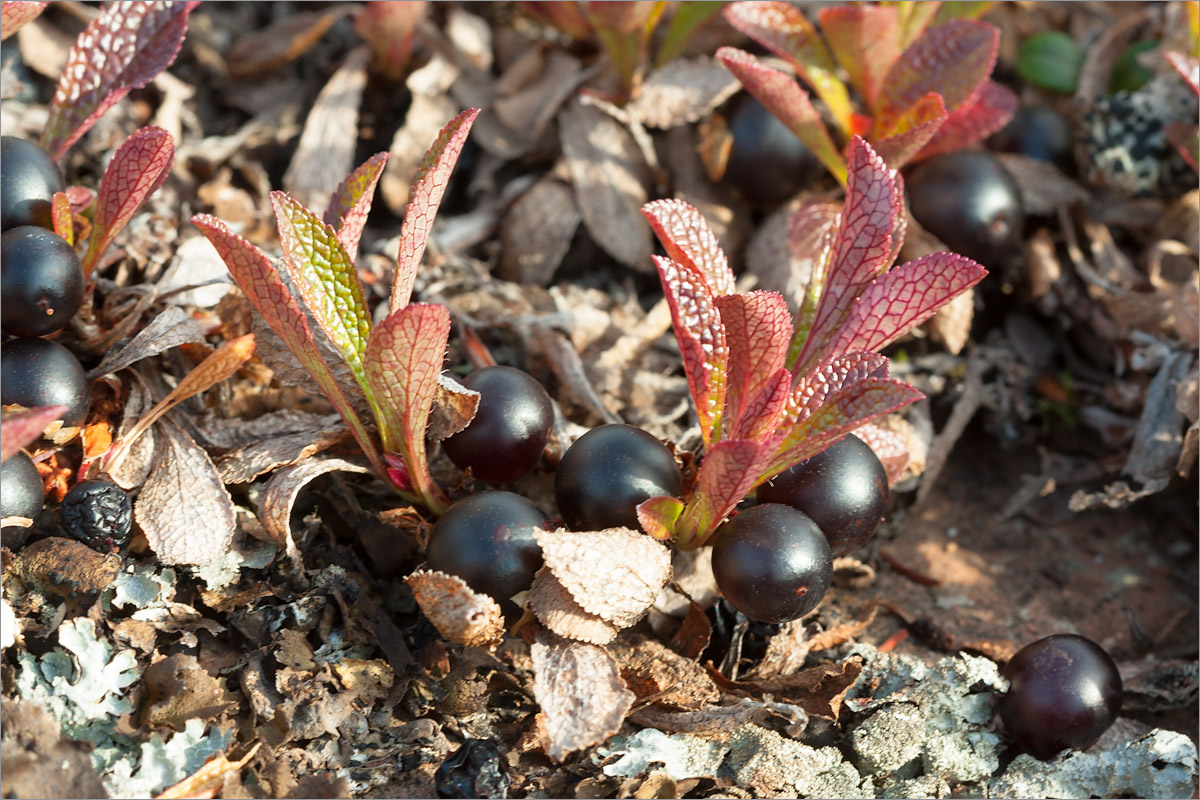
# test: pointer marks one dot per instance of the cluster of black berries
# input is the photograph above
(41, 288)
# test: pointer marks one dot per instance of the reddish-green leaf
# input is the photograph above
(22, 427)
(758, 327)
(763, 411)
(914, 18)
(404, 358)
(60, 215)
(621, 17)
(658, 516)
(888, 447)
(566, 17)
(138, 168)
(962, 9)
(122, 49)
(784, 98)
(818, 385)
(701, 337)
(782, 28)
(15, 13)
(901, 299)
(953, 59)
(866, 42)
(388, 28)
(811, 232)
(351, 202)
(428, 188)
(688, 17)
(989, 111)
(912, 131)
(728, 472)
(685, 234)
(326, 280)
(861, 249)
(263, 286)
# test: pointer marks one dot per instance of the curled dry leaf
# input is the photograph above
(554, 607)
(461, 615)
(279, 495)
(288, 38)
(454, 406)
(683, 91)
(951, 325)
(249, 461)
(537, 232)
(579, 687)
(655, 673)
(1044, 188)
(171, 328)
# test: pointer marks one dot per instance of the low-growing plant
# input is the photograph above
(922, 70)
(770, 390)
(397, 364)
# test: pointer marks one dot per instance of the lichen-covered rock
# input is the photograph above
(770, 765)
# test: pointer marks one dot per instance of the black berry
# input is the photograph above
(506, 438)
(607, 472)
(487, 540)
(41, 281)
(28, 179)
(1064, 692)
(843, 489)
(21, 493)
(767, 163)
(969, 201)
(39, 372)
(772, 563)
(476, 769)
(98, 513)
(1038, 132)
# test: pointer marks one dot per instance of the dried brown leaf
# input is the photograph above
(425, 119)
(537, 232)
(819, 690)
(171, 328)
(454, 406)
(1044, 188)
(249, 461)
(1158, 440)
(527, 110)
(183, 508)
(554, 607)
(682, 91)
(694, 633)
(614, 574)
(279, 495)
(579, 687)
(287, 39)
(461, 615)
(133, 469)
(656, 673)
(209, 778)
(178, 689)
(951, 325)
(608, 175)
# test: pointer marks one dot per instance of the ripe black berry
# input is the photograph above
(772, 563)
(969, 201)
(98, 513)
(487, 540)
(1038, 132)
(506, 438)
(767, 163)
(41, 282)
(607, 472)
(21, 493)
(843, 489)
(1064, 692)
(28, 179)
(39, 372)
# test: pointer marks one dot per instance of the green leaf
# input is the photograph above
(351, 202)
(687, 19)
(1051, 60)
(866, 42)
(658, 516)
(1128, 74)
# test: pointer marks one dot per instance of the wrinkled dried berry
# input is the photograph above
(98, 513)
(473, 770)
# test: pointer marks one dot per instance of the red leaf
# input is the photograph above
(988, 112)
(326, 280)
(888, 447)
(701, 337)
(953, 59)
(861, 249)
(866, 42)
(658, 516)
(388, 27)
(912, 131)
(1187, 66)
(689, 240)
(122, 49)
(784, 98)
(60, 214)
(15, 13)
(621, 17)
(783, 29)
(429, 186)
(815, 387)
(137, 169)
(758, 327)
(728, 472)
(901, 299)
(22, 427)
(403, 360)
(811, 232)
(763, 411)
(262, 285)
(351, 202)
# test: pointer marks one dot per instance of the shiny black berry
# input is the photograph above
(1038, 132)
(772, 563)
(607, 472)
(843, 489)
(506, 438)
(969, 201)
(1064, 692)
(41, 281)
(21, 493)
(487, 540)
(39, 372)
(28, 179)
(767, 163)
(98, 513)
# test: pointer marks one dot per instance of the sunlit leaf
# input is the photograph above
(1187, 66)
(962, 9)
(758, 327)
(914, 18)
(658, 516)
(122, 49)
(688, 239)
(784, 98)
(701, 337)
(763, 411)
(989, 111)
(351, 203)
(866, 42)
(15, 13)
(138, 167)
(60, 214)
(811, 232)
(912, 131)
(429, 186)
(688, 17)
(728, 472)
(23, 427)
(388, 27)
